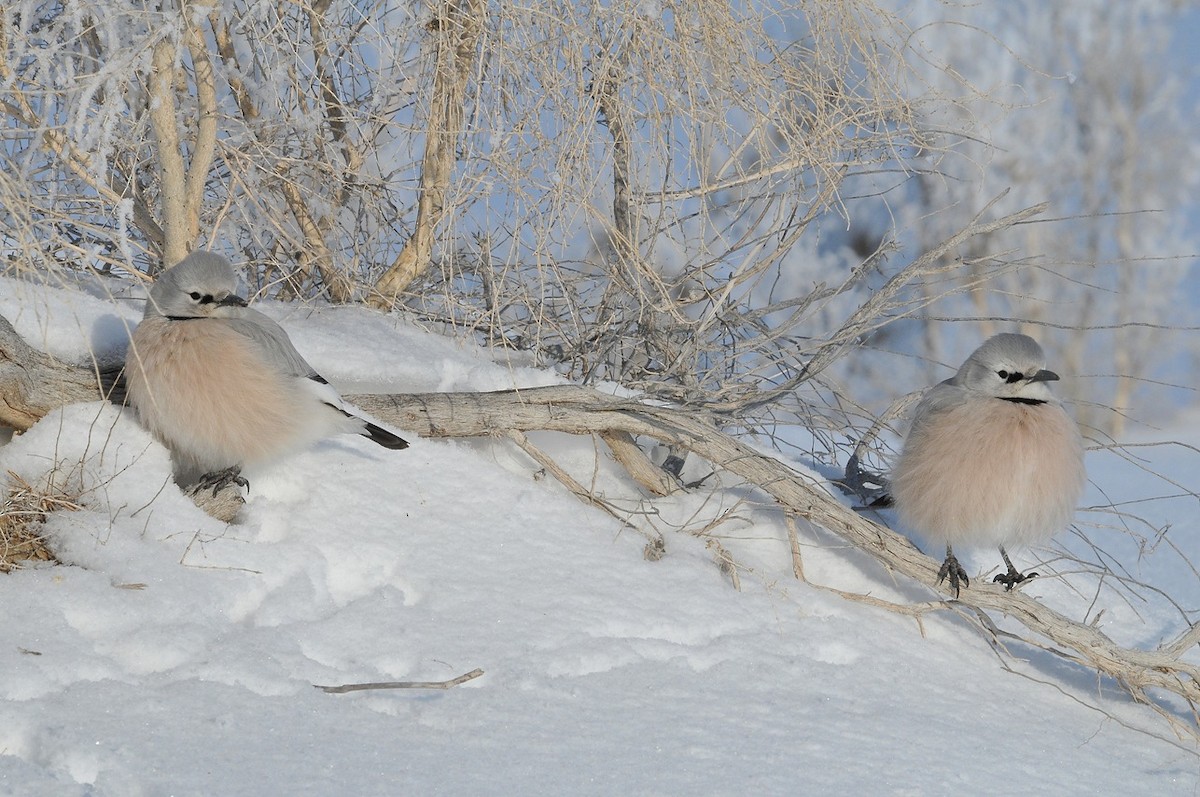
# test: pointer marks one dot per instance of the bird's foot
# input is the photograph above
(1012, 578)
(218, 480)
(954, 571)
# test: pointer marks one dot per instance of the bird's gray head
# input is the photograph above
(1008, 366)
(199, 286)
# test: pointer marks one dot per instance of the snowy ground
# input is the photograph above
(174, 655)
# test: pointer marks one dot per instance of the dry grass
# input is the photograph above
(22, 513)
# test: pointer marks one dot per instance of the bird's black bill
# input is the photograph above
(1044, 376)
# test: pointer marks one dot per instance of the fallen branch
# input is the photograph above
(32, 383)
(579, 410)
(453, 682)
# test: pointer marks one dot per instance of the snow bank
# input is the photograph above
(172, 654)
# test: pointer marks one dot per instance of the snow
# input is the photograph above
(170, 654)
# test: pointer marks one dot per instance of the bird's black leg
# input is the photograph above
(218, 480)
(954, 571)
(1012, 577)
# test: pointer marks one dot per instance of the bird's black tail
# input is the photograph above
(377, 434)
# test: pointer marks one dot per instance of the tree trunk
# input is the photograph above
(457, 27)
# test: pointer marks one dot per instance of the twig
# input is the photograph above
(794, 544)
(654, 480)
(725, 562)
(567, 480)
(453, 682)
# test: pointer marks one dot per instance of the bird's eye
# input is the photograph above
(1001, 373)
(195, 295)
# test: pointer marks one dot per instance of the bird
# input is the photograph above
(991, 458)
(221, 385)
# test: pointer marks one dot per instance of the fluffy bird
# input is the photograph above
(221, 385)
(991, 458)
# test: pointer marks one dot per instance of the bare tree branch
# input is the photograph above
(172, 174)
(205, 145)
(316, 252)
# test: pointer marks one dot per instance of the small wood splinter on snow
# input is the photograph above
(462, 679)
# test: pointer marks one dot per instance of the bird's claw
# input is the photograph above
(954, 571)
(218, 480)
(1012, 578)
